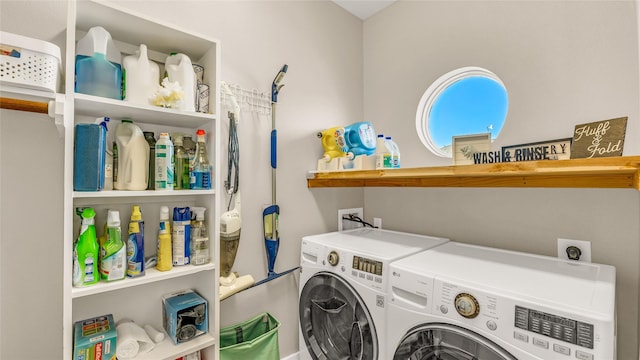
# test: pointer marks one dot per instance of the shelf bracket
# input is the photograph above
(56, 111)
(53, 108)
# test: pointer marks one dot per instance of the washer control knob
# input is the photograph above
(467, 305)
(444, 309)
(333, 258)
(491, 325)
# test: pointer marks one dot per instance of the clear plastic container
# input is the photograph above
(98, 67)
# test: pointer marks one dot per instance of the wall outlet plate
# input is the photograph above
(581, 247)
(348, 224)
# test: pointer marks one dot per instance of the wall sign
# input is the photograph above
(599, 139)
(544, 150)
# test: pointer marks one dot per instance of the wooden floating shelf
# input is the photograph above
(613, 172)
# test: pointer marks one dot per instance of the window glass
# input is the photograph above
(462, 102)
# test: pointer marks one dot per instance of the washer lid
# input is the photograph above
(382, 244)
(587, 286)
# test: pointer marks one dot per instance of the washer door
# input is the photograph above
(334, 320)
(447, 342)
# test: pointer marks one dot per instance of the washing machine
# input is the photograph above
(464, 302)
(343, 291)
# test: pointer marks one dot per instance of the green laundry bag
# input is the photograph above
(256, 338)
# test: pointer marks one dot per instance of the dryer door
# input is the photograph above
(335, 321)
(447, 342)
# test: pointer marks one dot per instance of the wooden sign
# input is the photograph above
(599, 139)
(544, 150)
(466, 146)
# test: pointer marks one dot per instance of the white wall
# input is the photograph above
(563, 63)
(321, 43)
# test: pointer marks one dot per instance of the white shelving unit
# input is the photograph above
(139, 299)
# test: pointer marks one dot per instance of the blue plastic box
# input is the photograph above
(89, 157)
(184, 315)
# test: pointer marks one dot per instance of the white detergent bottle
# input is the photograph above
(396, 153)
(383, 156)
(133, 157)
(179, 68)
(141, 77)
(392, 151)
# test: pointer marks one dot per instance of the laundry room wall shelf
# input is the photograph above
(615, 172)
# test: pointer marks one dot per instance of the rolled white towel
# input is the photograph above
(155, 335)
(132, 340)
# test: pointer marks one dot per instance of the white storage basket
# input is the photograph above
(29, 63)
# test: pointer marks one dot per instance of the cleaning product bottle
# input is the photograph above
(190, 147)
(383, 156)
(141, 77)
(135, 244)
(85, 252)
(165, 259)
(89, 155)
(201, 173)
(115, 166)
(133, 157)
(181, 175)
(151, 140)
(113, 252)
(178, 68)
(98, 65)
(181, 236)
(396, 153)
(392, 151)
(164, 163)
(199, 238)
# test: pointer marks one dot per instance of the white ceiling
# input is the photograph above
(363, 8)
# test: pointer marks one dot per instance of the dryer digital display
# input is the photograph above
(557, 327)
(367, 265)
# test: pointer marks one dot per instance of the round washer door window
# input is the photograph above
(334, 320)
(447, 342)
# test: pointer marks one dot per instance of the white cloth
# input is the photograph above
(132, 340)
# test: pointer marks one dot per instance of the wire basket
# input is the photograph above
(29, 63)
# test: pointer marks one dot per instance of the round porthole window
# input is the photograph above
(465, 101)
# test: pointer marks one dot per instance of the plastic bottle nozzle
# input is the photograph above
(199, 212)
(136, 215)
(113, 218)
(164, 213)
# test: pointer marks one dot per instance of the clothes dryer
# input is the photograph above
(343, 291)
(467, 302)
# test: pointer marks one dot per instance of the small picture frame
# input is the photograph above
(463, 147)
(599, 139)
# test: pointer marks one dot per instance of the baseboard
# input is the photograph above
(291, 357)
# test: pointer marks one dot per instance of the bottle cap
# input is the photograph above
(164, 134)
(113, 218)
(164, 213)
(136, 215)
(88, 216)
(200, 132)
(177, 139)
(199, 212)
(381, 136)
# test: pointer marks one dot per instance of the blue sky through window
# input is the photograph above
(472, 105)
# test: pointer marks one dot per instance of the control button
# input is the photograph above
(361, 275)
(491, 325)
(561, 349)
(354, 273)
(444, 309)
(333, 258)
(379, 280)
(467, 305)
(541, 343)
(342, 268)
(583, 355)
(521, 336)
(369, 277)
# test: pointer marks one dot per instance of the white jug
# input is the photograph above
(180, 69)
(141, 77)
(133, 157)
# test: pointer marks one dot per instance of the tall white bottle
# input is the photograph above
(396, 153)
(392, 153)
(133, 157)
(180, 69)
(164, 163)
(141, 77)
(383, 156)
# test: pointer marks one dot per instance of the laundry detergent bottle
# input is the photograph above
(135, 244)
(133, 157)
(85, 252)
(141, 77)
(98, 65)
(179, 68)
(113, 252)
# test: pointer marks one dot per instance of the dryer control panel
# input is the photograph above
(556, 327)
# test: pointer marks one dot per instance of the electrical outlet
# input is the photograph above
(377, 222)
(576, 250)
(348, 224)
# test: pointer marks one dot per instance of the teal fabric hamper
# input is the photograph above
(256, 338)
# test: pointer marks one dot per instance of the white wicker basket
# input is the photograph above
(29, 63)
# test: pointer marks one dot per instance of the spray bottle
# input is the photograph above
(135, 244)
(181, 236)
(165, 259)
(113, 252)
(85, 252)
(199, 238)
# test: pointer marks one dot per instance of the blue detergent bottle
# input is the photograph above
(98, 65)
(359, 139)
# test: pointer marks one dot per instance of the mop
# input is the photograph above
(271, 213)
(230, 221)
